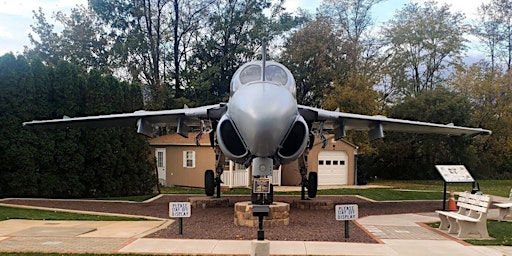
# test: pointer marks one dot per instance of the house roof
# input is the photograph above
(176, 139)
(330, 137)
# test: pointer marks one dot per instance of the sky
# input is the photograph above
(16, 16)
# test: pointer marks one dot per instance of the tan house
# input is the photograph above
(181, 162)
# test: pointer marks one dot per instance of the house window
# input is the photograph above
(160, 159)
(189, 159)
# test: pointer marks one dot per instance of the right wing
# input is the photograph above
(141, 119)
(376, 125)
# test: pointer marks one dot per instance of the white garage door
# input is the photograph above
(332, 168)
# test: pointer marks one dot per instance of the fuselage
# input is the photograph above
(262, 120)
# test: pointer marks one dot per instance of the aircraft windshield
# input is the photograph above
(276, 74)
(273, 73)
(250, 74)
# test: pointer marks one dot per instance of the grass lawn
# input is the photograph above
(127, 198)
(31, 214)
(491, 187)
(395, 190)
(500, 231)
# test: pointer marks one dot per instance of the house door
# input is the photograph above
(332, 168)
(160, 165)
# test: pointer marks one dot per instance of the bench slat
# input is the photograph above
(504, 205)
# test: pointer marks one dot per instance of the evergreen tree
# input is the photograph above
(74, 162)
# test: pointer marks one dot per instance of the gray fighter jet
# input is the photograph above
(261, 125)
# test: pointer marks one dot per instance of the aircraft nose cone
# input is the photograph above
(263, 114)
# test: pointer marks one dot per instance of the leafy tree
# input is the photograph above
(154, 40)
(188, 21)
(313, 56)
(71, 162)
(85, 41)
(138, 29)
(16, 93)
(48, 45)
(235, 34)
(422, 41)
(489, 93)
(353, 21)
(413, 156)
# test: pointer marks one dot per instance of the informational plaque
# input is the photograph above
(261, 186)
(454, 173)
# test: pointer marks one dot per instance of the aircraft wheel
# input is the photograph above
(209, 183)
(312, 184)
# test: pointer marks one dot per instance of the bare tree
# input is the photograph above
(488, 29)
(422, 42)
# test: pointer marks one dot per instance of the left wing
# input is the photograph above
(141, 119)
(376, 125)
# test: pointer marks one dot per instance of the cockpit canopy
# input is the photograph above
(275, 73)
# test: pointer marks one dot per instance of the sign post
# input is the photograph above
(347, 212)
(179, 210)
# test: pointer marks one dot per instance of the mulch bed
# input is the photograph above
(217, 223)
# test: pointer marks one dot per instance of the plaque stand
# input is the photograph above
(453, 174)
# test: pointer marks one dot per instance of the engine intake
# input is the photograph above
(296, 140)
(230, 141)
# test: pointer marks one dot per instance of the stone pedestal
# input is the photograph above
(279, 215)
(313, 204)
(208, 202)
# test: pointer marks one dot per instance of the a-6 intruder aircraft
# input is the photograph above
(261, 125)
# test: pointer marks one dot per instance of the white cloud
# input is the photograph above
(24, 8)
(16, 18)
(469, 9)
(4, 34)
(293, 5)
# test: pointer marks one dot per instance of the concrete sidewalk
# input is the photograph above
(399, 235)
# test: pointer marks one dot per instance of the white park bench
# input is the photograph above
(505, 208)
(471, 218)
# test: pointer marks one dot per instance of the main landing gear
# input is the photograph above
(212, 180)
(308, 181)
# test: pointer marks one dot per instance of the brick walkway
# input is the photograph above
(403, 232)
(63, 244)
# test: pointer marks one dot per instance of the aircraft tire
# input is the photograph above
(312, 184)
(209, 183)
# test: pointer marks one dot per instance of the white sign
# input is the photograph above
(179, 209)
(347, 212)
(454, 173)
